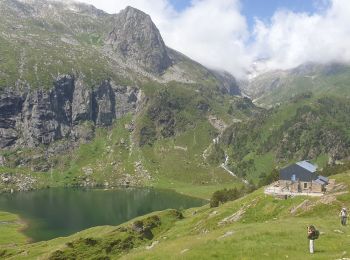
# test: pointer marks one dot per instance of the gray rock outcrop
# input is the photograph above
(104, 104)
(33, 117)
(10, 108)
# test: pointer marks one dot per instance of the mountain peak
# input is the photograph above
(136, 39)
(130, 9)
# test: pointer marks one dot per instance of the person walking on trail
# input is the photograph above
(343, 216)
(312, 235)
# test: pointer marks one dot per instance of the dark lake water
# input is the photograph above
(53, 213)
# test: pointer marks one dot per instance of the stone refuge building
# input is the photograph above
(302, 177)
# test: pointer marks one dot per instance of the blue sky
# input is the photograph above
(264, 9)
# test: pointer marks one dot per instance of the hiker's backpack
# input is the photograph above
(344, 213)
(316, 234)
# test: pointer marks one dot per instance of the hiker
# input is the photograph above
(343, 216)
(312, 234)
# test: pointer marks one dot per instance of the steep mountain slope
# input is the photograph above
(275, 87)
(88, 98)
(307, 119)
(255, 226)
(307, 127)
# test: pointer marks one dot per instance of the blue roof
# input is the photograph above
(322, 178)
(295, 172)
(307, 166)
(319, 182)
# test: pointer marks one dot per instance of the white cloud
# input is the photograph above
(295, 38)
(211, 32)
(215, 33)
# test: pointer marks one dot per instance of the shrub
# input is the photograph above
(269, 178)
(335, 169)
(222, 196)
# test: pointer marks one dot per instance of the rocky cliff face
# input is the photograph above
(228, 83)
(33, 117)
(136, 39)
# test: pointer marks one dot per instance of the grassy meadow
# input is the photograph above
(254, 226)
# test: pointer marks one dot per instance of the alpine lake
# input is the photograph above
(58, 212)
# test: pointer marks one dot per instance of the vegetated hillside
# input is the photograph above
(255, 226)
(93, 99)
(275, 87)
(307, 127)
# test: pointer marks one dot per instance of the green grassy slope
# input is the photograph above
(43, 44)
(321, 80)
(10, 226)
(307, 127)
(255, 226)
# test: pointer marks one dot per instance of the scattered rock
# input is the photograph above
(130, 127)
(2, 160)
(213, 213)
(10, 182)
(227, 234)
(304, 206)
(217, 123)
(238, 214)
(176, 147)
(328, 199)
(154, 243)
(87, 171)
(205, 231)
(233, 218)
(184, 251)
(339, 187)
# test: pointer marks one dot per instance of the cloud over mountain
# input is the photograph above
(292, 38)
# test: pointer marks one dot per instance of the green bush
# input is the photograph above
(335, 169)
(222, 196)
(268, 179)
(225, 195)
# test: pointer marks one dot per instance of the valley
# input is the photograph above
(113, 145)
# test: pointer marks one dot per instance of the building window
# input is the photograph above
(305, 185)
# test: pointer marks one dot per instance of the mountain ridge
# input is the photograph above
(275, 86)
